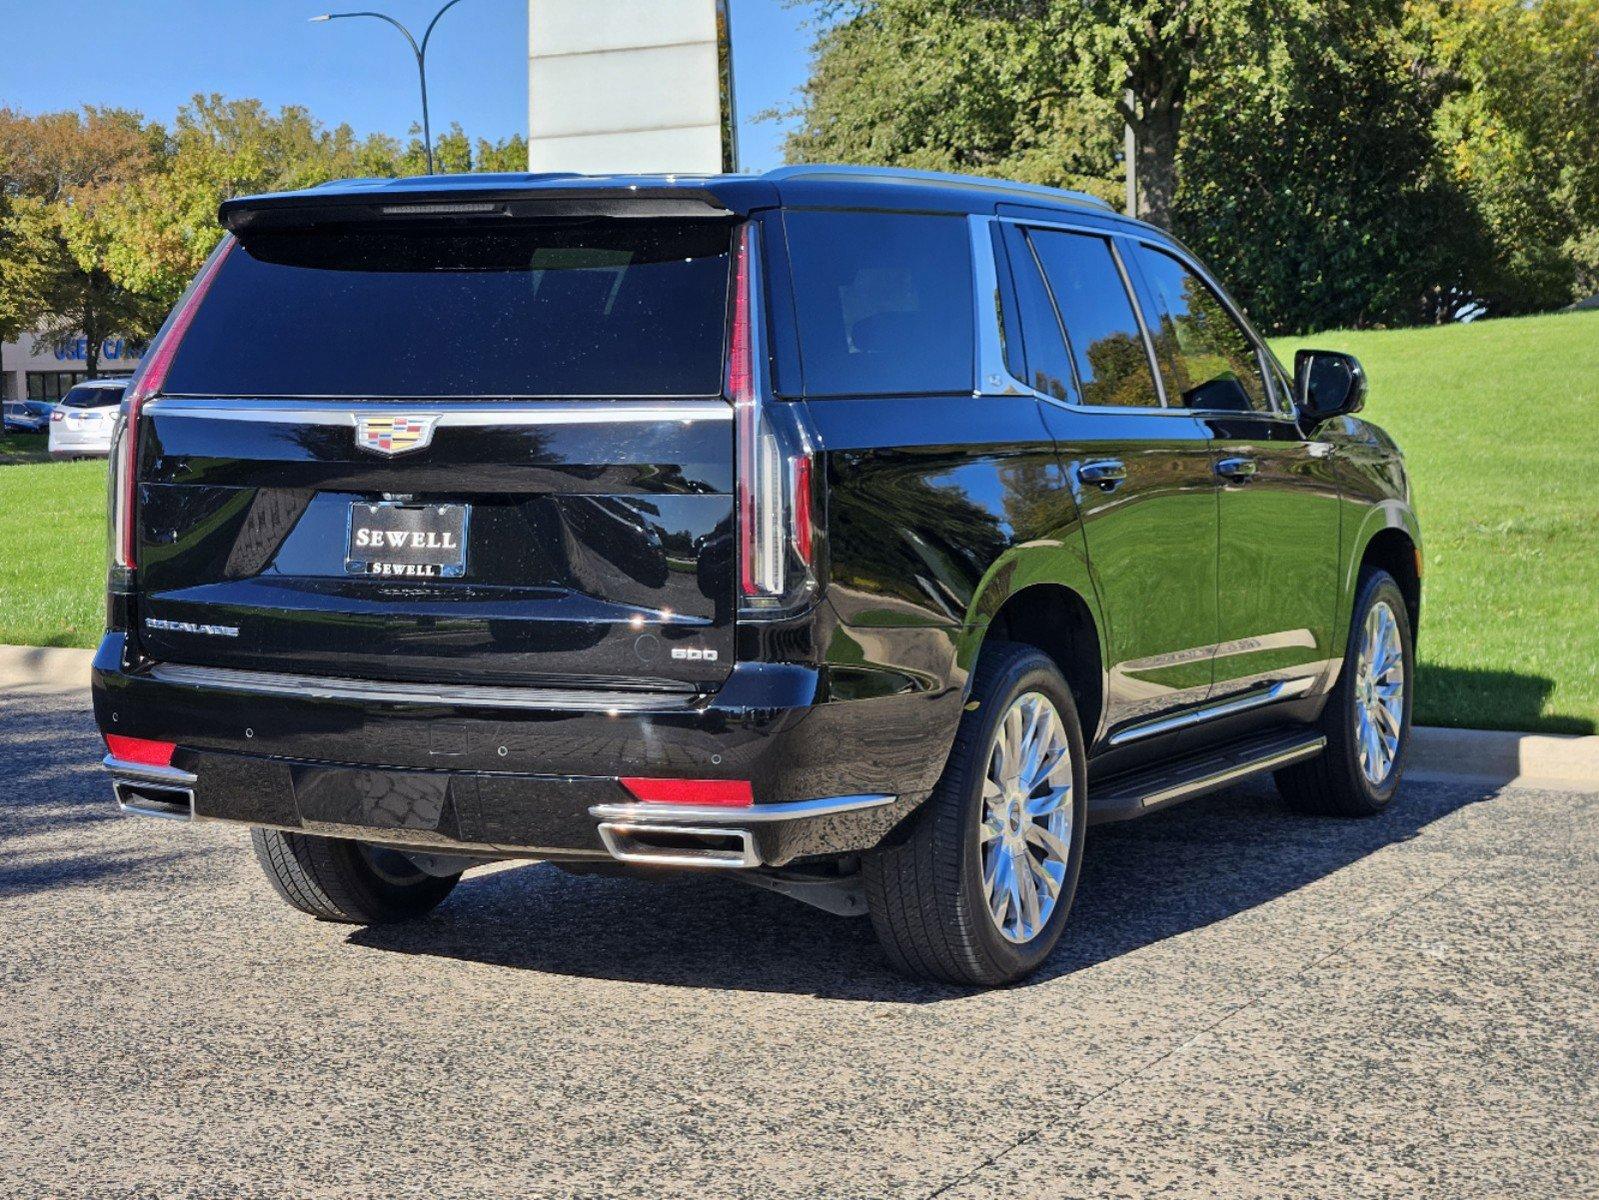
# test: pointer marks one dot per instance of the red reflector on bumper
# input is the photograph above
(728, 793)
(140, 750)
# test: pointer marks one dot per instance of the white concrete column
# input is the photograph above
(622, 86)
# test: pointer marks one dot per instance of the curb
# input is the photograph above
(1479, 756)
(44, 668)
(1567, 762)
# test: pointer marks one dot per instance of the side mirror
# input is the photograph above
(1328, 384)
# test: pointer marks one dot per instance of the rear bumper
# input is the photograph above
(79, 445)
(478, 773)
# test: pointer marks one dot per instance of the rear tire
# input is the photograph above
(980, 841)
(1355, 776)
(337, 879)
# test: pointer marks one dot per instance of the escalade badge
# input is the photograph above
(394, 435)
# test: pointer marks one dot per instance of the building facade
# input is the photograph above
(31, 370)
(630, 86)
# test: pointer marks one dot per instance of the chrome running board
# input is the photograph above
(1139, 792)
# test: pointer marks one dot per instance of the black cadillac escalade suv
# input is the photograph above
(863, 534)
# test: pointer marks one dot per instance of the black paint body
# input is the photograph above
(597, 546)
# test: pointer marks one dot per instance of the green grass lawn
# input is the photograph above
(24, 447)
(52, 552)
(1499, 422)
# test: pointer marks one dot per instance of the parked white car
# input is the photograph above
(82, 423)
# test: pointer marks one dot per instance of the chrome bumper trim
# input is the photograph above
(730, 816)
(143, 771)
(322, 687)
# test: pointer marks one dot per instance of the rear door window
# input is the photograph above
(1104, 342)
(884, 302)
(580, 308)
(1049, 362)
(1209, 362)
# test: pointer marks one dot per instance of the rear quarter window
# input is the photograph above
(884, 302)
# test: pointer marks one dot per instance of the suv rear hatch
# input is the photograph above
(447, 448)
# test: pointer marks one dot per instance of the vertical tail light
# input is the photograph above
(146, 383)
(776, 528)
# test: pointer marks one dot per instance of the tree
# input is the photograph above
(1312, 181)
(1040, 85)
(58, 172)
(161, 228)
(1521, 135)
(943, 85)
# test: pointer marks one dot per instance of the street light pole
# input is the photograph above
(421, 53)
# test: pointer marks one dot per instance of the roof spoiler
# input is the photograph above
(247, 214)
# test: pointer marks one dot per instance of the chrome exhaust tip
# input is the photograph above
(142, 798)
(679, 845)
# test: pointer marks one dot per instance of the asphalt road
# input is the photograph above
(1248, 1003)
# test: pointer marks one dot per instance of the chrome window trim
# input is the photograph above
(993, 377)
(991, 355)
(322, 687)
(1112, 236)
(449, 412)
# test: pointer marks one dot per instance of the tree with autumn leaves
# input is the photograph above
(1341, 162)
(104, 216)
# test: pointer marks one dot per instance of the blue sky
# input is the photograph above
(154, 54)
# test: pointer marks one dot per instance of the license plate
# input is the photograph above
(407, 540)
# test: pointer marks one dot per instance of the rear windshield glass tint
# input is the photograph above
(885, 302)
(99, 397)
(592, 308)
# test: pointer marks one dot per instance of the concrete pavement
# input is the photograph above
(1248, 1003)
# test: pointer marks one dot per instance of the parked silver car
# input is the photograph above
(82, 423)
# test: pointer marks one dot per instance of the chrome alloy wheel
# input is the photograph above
(1026, 832)
(1379, 694)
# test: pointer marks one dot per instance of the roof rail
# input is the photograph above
(906, 175)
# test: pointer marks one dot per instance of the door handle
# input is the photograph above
(1105, 473)
(1241, 470)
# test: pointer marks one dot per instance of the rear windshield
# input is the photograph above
(95, 397)
(583, 308)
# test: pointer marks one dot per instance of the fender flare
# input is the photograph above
(1384, 515)
(1050, 562)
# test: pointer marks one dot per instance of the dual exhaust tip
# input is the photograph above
(679, 845)
(144, 798)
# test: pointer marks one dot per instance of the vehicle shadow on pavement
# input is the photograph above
(1142, 882)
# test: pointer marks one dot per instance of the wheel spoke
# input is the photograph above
(1046, 840)
(994, 882)
(1046, 878)
(1027, 886)
(1043, 806)
(1389, 719)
